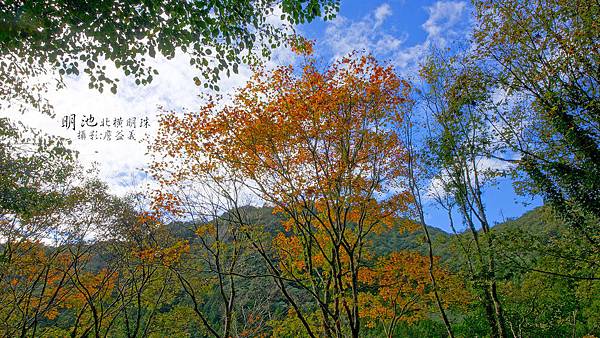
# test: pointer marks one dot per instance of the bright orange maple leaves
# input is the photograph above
(308, 135)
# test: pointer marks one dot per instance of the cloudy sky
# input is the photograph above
(396, 31)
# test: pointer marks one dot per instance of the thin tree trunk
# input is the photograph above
(419, 205)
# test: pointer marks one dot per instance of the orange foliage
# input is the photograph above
(166, 256)
(404, 288)
(307, 135)
(322, 147)
(31, 266)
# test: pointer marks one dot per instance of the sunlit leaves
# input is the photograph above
(74, 39)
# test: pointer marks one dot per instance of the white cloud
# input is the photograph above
(343, 35)
(381, 13)
(444, 17)
(487, 168)
(407, 58)
(120, 162)
(447, 21)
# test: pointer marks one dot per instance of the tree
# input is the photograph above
(458, 144)
(416, 178)
(35, 176)
(58, 274)
(33, 166)
(552, 280)
(323, 149)
(44, 37)
(218, 266)
(544, 55)
(404, 290)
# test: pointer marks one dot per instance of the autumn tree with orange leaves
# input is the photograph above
(323, 148)
(402, 290)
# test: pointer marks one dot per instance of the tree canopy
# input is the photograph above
(73, 37)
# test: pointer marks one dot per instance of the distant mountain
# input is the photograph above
(537, 222)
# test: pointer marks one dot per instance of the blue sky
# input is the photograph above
(398, 31)
(404, 17)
